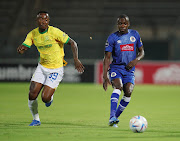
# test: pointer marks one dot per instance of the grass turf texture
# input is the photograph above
(80, 112)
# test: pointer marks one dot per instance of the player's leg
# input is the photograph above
(47, 95)
(34, 91)
(117, 85)
(127, 88)
(53, 78)
(36, 85)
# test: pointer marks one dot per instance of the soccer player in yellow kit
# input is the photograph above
(50, 42)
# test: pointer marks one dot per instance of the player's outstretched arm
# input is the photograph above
(137, 59)
(78, 65)
(21, 49)
(106, 62)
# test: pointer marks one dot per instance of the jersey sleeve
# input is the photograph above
(28, 41)
(139, 41)
(61, 36)
(109, 44)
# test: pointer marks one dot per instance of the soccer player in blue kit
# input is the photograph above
(122, 46)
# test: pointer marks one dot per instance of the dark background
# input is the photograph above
(157, 21)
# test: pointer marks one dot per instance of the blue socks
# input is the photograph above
(123, 103)
(116, 112)
(114, 101)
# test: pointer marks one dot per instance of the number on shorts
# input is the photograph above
(53, 76)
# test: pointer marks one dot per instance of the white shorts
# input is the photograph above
(49, 77)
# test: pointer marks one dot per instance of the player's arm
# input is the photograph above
(26, 44)
(78, 65)
(137, 59)
(21, 49)
(106, 62)
(140, 53)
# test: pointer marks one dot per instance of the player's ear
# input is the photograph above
(128, 24)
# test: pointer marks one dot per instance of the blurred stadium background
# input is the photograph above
(157, 22)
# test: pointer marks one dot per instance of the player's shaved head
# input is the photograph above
(42, 12)
(123, 16)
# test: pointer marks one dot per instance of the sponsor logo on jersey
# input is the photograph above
(113, 74)
(119, 41)
(44, 47)
(132, 39)
(127, 47)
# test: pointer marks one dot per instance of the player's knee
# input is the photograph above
(46, 99)
(115, 86)
(128, 89)
(32, 95)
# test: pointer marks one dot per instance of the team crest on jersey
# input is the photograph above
(107, 43)
(113, 74)
(119, 41)
(132, 39)
(46, 38)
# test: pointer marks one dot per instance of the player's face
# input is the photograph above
(123, 24)
(43, 20)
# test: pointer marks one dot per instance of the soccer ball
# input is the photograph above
(138, 124)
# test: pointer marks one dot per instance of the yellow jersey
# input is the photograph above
(50, 45)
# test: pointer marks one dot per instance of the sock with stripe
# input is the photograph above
(123, 104)
(114, 101)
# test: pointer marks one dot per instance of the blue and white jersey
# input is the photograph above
(123, 48)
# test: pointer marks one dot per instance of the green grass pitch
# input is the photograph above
(80, 112)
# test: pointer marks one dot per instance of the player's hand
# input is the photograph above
(106, 81)
(21, 49)
(79, 66)
(131, 64)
